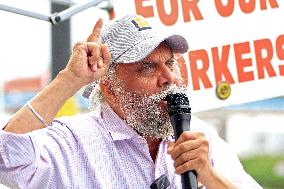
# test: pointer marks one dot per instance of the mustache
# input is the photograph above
(171, 89)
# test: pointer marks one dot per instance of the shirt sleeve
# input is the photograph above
(223, 158)
(4, 122)
(226, 161)
(38, 159)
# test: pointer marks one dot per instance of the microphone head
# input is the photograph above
(177, 99)
(178, 103)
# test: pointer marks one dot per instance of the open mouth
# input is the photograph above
(164, 104)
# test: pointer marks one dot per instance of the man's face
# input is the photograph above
(140, 89)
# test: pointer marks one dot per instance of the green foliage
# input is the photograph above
(262, 169)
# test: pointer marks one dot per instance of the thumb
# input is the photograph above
(171, 146)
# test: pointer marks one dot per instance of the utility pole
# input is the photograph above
(60, 38)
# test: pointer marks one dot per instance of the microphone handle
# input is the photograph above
(188, 180)
(181, 123)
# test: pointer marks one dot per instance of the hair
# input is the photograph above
(96, 97)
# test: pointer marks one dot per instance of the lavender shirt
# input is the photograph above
(99, 150)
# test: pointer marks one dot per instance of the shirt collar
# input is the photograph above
(116, 126)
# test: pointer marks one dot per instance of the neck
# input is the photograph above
(153, 145)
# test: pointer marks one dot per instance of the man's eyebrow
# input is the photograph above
(146, 62)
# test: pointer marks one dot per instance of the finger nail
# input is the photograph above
(95, 68)
(100, 64)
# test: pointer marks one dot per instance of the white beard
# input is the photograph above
(145, 114)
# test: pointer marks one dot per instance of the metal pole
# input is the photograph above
(57, 16)
(25, 12)
(61, 45)
(64, 15)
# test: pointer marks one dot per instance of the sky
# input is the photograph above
(25, 41)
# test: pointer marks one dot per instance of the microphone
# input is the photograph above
(180, 116)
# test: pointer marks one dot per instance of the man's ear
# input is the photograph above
(108, 92)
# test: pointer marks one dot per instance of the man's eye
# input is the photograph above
(147, 67)
(171, 64)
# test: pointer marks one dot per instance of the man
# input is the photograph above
(127, 142)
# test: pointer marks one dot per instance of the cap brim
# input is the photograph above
(141, 50)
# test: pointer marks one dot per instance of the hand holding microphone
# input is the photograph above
(190, 151)
(180, 116)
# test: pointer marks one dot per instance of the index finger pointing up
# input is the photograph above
(95, 35)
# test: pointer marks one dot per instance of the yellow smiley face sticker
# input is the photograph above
(223, 90)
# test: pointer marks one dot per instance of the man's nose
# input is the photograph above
(167, 77)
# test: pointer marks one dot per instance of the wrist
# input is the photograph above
(71, 80)
(209, 177)
(217, 180)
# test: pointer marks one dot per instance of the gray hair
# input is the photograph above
(93, 91)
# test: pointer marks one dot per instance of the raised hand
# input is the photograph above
(90, 60)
